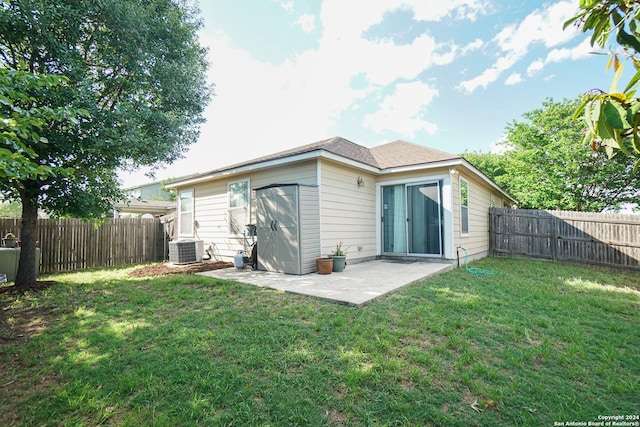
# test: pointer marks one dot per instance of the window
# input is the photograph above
(464, 206)
(186, 213)
(238, 207)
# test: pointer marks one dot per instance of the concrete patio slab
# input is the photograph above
(357, 285)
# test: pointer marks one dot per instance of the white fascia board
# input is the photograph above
(449, 163)
(422, 166)
(270, 164)
(487, 180)
(349, 162)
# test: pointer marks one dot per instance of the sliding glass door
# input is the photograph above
(394, 219)
(412, 219)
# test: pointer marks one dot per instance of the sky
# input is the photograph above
(447, 74)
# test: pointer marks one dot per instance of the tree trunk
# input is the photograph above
(27, 273)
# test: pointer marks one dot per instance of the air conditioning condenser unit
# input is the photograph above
(186, 251)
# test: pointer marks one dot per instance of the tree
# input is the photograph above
(22, 121)
(612, 119)
(542, 168)
(134, 68)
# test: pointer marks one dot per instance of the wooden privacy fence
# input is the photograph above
(73, 244)
(611, 240)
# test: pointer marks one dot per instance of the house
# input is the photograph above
(398, 199)
(146, 200)
(144, 208)
(149, 191)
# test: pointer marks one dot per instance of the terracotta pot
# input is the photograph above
(324, 265)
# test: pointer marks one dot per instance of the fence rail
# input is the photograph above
(604, 239)
(73, 244)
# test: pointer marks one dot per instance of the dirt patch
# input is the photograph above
(168, 268)
(23, 323)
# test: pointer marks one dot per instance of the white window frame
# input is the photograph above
(462, 207)
(247, 208)
(448, 203)
(191, 212)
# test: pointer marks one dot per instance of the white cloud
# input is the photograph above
(489, 75)
(287, 6)
(535, 67)
(307, 22)
(474, 45)
(266, 108)
(501, 146)
(580, 51)
(402, 111)
(458, 9)
(542, 26)
(513, 79)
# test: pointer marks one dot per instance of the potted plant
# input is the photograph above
(339, 258)
(10, 240)
(324, 265)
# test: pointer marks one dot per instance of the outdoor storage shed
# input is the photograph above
(288, 228)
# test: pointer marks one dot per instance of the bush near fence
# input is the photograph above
(74, 244)
(594, 238)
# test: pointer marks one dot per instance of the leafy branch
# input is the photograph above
(612, 119)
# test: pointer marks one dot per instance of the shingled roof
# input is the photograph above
(391, 155)
(402, 153)
(336, 145)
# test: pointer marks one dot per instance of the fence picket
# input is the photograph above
(594, 238)
(73, 244)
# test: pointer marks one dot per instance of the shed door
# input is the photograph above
(277, 222)
(412, 219)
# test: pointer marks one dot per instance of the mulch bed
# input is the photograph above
(150, 270)
(168, 268)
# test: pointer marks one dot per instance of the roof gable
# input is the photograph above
(336, 145)
(402, 153)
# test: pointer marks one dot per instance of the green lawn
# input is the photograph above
(535, 344)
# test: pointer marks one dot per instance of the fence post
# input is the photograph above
(492, 213)
(554, 237)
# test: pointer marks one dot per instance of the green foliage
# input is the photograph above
(23, 119)
(338, 251)
(172, 194)
(612, 119)
(546, 167)
(10, 210)
(134, 69)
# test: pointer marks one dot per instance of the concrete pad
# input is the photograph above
(357, 285)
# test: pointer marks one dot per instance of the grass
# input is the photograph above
(535, 344)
